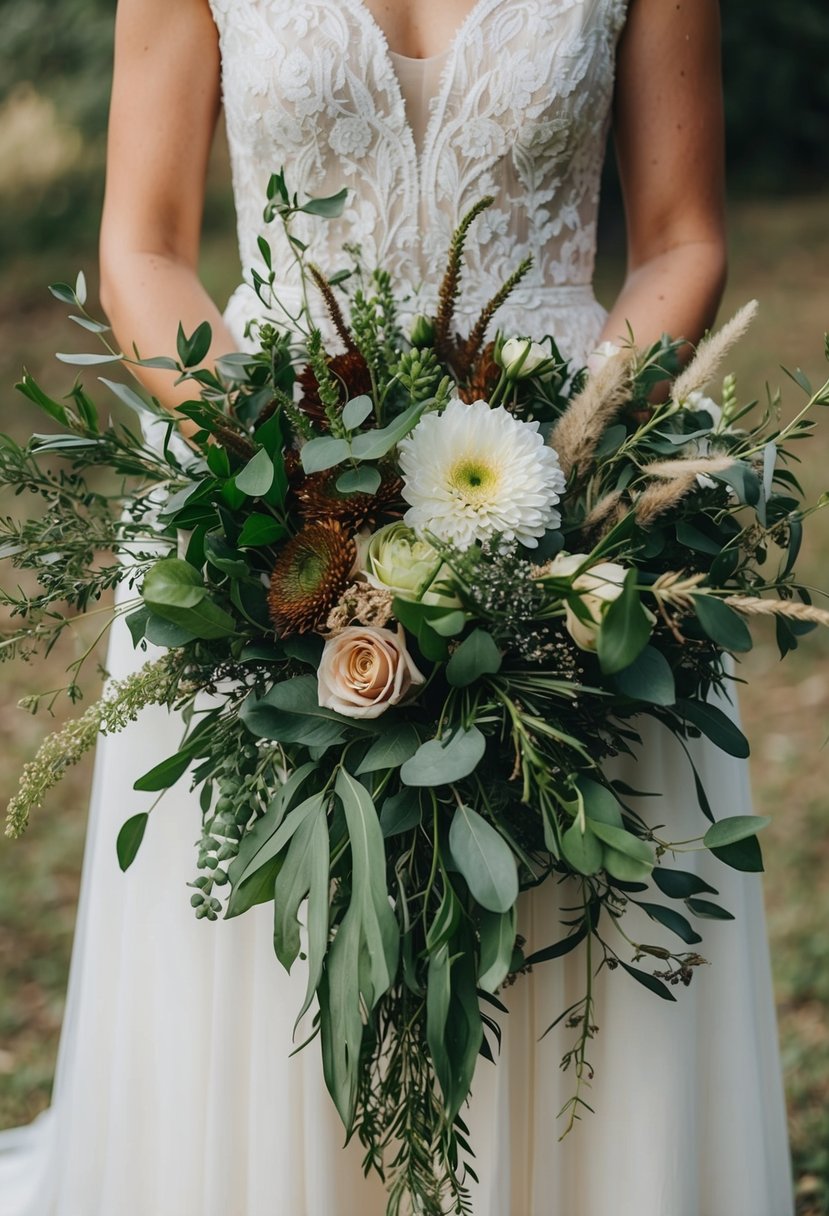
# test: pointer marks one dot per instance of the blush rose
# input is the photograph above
(365, 670)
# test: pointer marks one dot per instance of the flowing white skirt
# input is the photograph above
(175, 1093)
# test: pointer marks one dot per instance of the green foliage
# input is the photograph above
(777, 92)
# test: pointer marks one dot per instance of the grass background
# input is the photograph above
(779, 254)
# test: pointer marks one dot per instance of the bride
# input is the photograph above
(175, 1093)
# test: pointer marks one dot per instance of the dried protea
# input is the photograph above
(350, 373)
(310, 576)
(319, 498)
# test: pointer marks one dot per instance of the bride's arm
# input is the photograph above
(165, 102)
(668, 125)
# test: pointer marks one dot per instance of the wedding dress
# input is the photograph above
(175, 1094)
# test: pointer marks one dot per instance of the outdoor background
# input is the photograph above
(54, 78)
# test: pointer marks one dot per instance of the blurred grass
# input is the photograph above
(779, 254)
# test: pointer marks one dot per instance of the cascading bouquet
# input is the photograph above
(409, 598)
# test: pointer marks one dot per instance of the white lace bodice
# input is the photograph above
(516, 107)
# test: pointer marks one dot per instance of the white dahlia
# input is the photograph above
(474, 471)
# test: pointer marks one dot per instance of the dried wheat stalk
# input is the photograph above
(751, 605)
(576, 435)
(711, 352)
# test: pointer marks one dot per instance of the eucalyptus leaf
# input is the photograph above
(624, 842)
(328, 208)
(270, 849)
(304, 873)
(476, 656)
(446, 919)
(582, 849)
(369, 894)
(323, 453)
(449, 625)
(734, 828)
(259, 834)
(356, 411)
(485, 860)
(744, 855)
(372, 445)
(438, 763)
(256, 478)
(87, 360)
(341, 1024)
(623, 867)
(558, 949)
(131, 399)
(600, 803)
(363, 480)
(165, 774)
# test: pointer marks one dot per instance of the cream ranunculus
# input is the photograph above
(521, 357)
(597, 588)
(393, 559)
(364, 671)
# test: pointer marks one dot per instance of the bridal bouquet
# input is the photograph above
(410, 592)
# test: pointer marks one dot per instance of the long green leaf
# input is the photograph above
(305, 872)
(625, 629)
(497, 933)
(271, 848)
(341, 1027)
(290, 712)
(369, 893)
(485, 860)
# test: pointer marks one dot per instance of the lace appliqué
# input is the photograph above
(521, 113)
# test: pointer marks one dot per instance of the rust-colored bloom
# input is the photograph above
(319, 498)
(310, 575)
(483, 377)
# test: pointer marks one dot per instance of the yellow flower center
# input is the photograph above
(473, 480)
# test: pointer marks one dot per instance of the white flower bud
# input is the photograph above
(521, 357)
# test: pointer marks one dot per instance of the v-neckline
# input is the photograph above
(449, 50)
(419, 156)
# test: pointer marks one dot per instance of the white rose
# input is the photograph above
(364, 671)
(394, 559)
(521, 357)
(597, 588)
